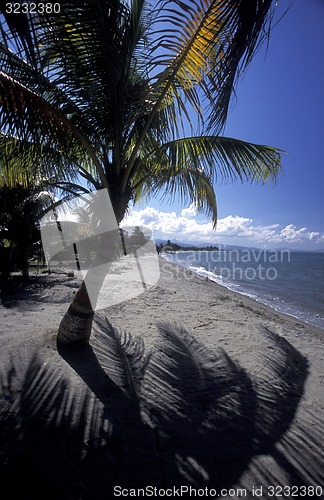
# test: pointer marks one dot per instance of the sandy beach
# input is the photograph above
(207, 389)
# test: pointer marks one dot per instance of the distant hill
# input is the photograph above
(181, 246)
(173, 246)
(177, 245)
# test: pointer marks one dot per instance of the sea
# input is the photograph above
(289, 282)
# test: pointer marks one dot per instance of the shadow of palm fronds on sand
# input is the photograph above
(112, 414)
(39, 290)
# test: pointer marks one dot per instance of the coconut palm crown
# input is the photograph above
(131, 96)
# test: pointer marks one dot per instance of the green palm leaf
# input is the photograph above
(112, 88)
(190, 167)
(198, 52)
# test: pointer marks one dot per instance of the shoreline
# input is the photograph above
(250, 301)
(211, 312)
(50, 295)
(317, 329)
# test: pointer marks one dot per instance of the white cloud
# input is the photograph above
(291, 234)
(189, 212)
(234, 230)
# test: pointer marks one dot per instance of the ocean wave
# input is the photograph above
(283, 294)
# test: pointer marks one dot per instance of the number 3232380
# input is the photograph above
(33, 8)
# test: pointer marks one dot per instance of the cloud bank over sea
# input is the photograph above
(232, 230)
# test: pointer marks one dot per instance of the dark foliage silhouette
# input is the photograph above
(179, 415)
(21, 209)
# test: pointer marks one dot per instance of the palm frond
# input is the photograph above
(190, 167)
(19, 35)
(203, 376)
(279, 386)
(123, 357)
(188, 184)
(110, 88)
(28, 163)
(28, 114)
(224, 156)
(199, 49)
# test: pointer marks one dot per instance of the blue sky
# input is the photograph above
(279, 102)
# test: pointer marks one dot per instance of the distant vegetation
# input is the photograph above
(174, 247)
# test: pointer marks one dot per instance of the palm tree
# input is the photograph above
(132, 97)
(21, 209)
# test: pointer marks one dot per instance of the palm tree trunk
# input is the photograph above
(25, 266)
(76, 324)
(75, 327)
